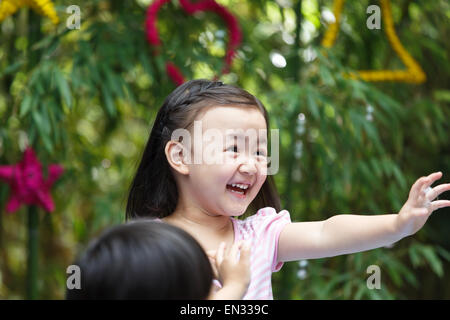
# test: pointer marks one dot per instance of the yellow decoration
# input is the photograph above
(413, 74)
(42, 7)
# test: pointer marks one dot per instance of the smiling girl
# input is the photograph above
(204, 198)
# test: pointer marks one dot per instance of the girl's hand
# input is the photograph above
(419, 205)
(234, 270)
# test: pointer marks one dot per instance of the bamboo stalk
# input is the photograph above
(35, 35)
(32, 258)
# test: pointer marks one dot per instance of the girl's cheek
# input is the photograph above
(262, 171)
(227, 160)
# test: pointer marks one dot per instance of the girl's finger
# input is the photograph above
(233, 253)
(436, 191)
(439, 204)
(220, 253)
(214, 267)
(417, 186)
(430, 180)
(211, 253)
(245, 252)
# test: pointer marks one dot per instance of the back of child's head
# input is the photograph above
(143, 259)
(153, 192)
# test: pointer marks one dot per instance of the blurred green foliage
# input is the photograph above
(87, 99)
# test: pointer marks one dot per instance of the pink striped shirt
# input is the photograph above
(263, 230)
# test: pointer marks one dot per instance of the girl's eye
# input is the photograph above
(234, 148)
(261, 153)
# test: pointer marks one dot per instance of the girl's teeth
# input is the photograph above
(240, 192)
(242, 186)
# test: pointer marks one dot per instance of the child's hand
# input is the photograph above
(212, 259)
(419, 205)
(233, 270)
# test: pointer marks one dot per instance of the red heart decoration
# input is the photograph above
(191, 8)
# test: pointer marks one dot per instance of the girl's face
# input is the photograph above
(231, 154)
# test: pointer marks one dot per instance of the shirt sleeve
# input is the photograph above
(270, 224)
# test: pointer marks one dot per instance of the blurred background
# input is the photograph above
(86, 99)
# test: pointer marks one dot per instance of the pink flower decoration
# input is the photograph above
(191, 8)
(174, 73)
(150, 23)
(27, 183)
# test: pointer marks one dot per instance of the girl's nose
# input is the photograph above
(248, 165)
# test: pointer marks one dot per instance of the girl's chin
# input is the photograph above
(237, 213)
(236, 209)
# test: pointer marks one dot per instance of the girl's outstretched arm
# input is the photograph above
(346, 233)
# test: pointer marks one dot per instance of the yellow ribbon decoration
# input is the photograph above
(42, 7)
(413, 74)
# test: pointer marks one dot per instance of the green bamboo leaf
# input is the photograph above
(312, 105)
(391, 107)
(433, 260)
(160, 63)
(93, 71)
(326, 76)
(410, 278)
(35, 83)
(34, 78)
(63, 88)
(376, 167)
(435, 47)
(395, 272)
(414, 256)
(358, 90)
(379, 116)
(129, 93)
(437, 110)
(51, 48)
(444, 253)
(144, 59)
(358, 261)
(108, 100)
(336, 280)
(406, 272)
(356, 122)
(43, 130)
(360, 292)
(113, 83)
(370, 130)
(387, 166)
(25, 106)
(43, 43)
(365, 170)
(12, 68)
(53, 109)
(45, 115)
(399, 176)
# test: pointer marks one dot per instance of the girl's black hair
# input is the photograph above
(153, 192)
(143, 259)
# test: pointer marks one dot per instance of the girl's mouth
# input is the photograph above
(239, 190)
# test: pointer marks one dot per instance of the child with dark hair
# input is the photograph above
(230, 178)
(147, 259)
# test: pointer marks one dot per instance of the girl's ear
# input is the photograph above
(176, 155)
